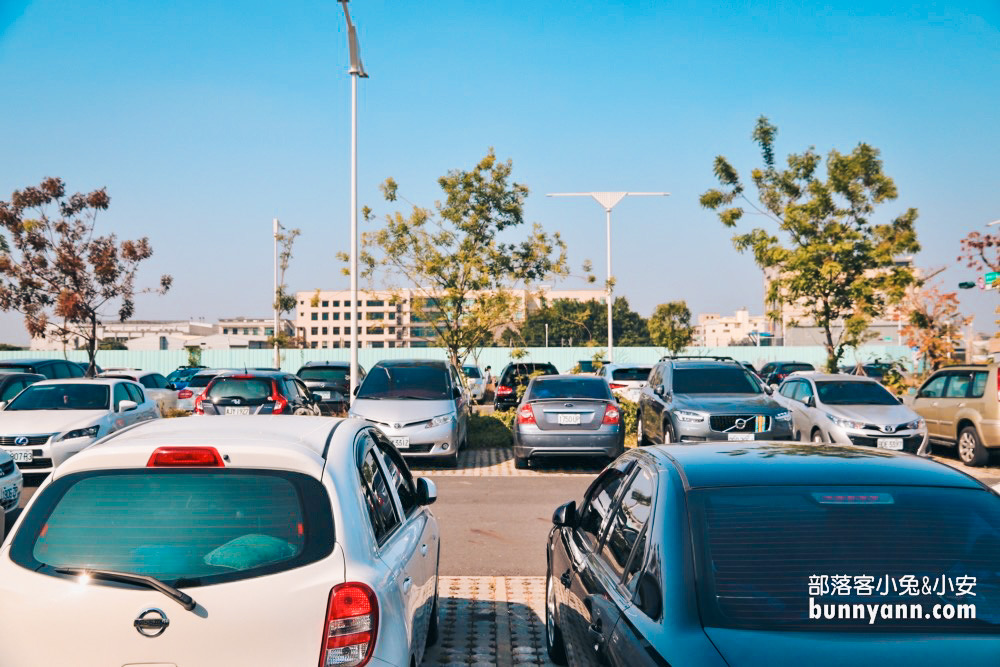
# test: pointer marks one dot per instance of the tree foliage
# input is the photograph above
(455, 258)
(835, 261)
(933, 325)
(57, 273)
(981, 252)
(284, 302)
(584, 323)
(670, 326)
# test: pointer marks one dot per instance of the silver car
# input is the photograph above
(851, 410)
(626, 380)
(423, 406)
(475, 381)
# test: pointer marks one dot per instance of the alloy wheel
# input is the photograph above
(966, 446)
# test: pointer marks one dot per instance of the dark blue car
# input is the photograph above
(775, 554)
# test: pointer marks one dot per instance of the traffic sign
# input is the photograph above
(991, 277)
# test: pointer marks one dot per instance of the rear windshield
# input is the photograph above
(18, 367)
(471, 372)
(181, 374)
(524, 370)
(248, 389)
(331, 375)
(631, 374)
(421, 382)
(854, 393)
(62, 397)
(570, 388)
(728, 380)
(186, 528)
(772, 558)
(791, 368)
(201, 380)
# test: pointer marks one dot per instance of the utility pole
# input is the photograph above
(277, 314)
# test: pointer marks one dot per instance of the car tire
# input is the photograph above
(433, 629)
(554, 644)
(970, 448)
(640, 436)
(668, 433)
(451, 461)
(521, 463)
(816, 437)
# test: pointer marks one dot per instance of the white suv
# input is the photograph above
(239, 541)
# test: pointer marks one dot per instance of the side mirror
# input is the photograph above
(768, 389)
(426, 491)
(3, 404)
(658, 390)
(356, 388)
(456, 392)
(898, 398)
(125, 406)
(171, 386)
(565, 515)
(810, 401)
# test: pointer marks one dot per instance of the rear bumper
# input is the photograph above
(543, 444)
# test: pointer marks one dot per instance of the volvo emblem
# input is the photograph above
(151, 622)
(740, 423)
(21, 440)
(888, 428)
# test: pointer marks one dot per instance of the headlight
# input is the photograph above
(89, 432)
(441, 421)
(846, 423)
(688, 416)
(785, 416)
(916, 424)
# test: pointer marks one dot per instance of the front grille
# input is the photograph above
(416, 449)
(36, 464)
(910, 444)
(728, 423)
(8, 440)
(7, 469)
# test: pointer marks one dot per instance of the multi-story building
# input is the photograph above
(236, 332)
(715, 330)
(256, 330)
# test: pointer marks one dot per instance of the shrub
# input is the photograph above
(630, 412)
(174, 412)
(491, 431)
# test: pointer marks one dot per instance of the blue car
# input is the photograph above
(182, 376)
(768, 553)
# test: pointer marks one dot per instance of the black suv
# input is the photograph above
(256, 393)
(697, 399)
(330, 382)
(775, 372)
(517, 374)
(52, 369)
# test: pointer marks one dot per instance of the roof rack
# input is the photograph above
(697, 356)
(969, 364)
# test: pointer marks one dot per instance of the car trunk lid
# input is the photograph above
(574, 414)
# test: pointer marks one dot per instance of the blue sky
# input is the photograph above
(206, 119)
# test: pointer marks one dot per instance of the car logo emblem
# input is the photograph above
(397, 425)
(21, 440)
(740, 423)
(888, 428)
(236, 401)
(151, 622)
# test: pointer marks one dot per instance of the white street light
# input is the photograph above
(609, 200)
(995, 222)
(277, 354)
(356, 70)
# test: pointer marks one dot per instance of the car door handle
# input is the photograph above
(961, 405)
(423, 549)
(564, 579)
(407, 584)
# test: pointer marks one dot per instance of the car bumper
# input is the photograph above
(989, 432)
(702, 432)
(423, 442)
(11, 487)
(535, 445)
(914, 442)
(46, 457)
(502, 404)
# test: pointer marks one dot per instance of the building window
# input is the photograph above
(336, 331)
(392, 343)
(314, 331)
(324, 333)
(347, 315)
(314, 316)
(256, 331)
(269, 331)
(347, 343)
(376, 316)
(323, 345)
(392, 330)
(336, 344)
(336, 304)
(326, 316)
(313, 345)
(375, 304)
(336, 316)
(325, 304)
(225, 330)
(377, 343)
(392, 315)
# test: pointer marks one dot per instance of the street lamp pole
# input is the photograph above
(277, 353)
(356, 70)
(608, 200)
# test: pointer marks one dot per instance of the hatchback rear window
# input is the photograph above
(631, 374)
(593, 388)
(774, 558)
(245, 388)
(183, 527)
(200, 380)
(471, 372)
(332, 375)
(791, 368)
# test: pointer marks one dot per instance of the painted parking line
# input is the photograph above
(499, 462)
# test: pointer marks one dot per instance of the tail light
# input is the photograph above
(185, 393)
(280, 402)
(526, 415)
(351, 626)
(504, 391)
(180, 457)
(198, 410)
(998, 385)
(618, 385)
(611, 415)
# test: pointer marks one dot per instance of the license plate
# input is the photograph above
(10, 493)
(401, 443)
(740, 437)
(237, 411)
(890, 443)
(323, 394)
(23, 456)
(568, 419)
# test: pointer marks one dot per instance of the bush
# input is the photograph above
(630, 412)
(174, 412)
(491, 431)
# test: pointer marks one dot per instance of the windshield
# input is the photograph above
(248, 389)
(767, 555)
(182, 527)
(726, 380)
(201, 380)
(471, 372)
(640, 374)
(514, 373)
(62, 397)
(419, 381)
(330, 375)
(854, 393)
(570, 388)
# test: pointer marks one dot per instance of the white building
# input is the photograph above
(715, 330)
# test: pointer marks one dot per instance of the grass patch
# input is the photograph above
(170, 413)
(491, 431)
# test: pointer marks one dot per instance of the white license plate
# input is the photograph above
(23, 456)
(568, 419)
(889, 443)
(323, 394)
(401, 443)
(10, 493)
(740, 437)
(237, 411)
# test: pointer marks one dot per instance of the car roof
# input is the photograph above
(705, 363)
(612, 365)
(412, 362)
(568, 376)
(97, 380)
(127, 371)
(742, 464)
(333, 364)
(835, 377)
(33, 361)
(252, 373)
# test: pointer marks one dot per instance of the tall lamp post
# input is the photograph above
(608, 200)
(277, 315)
(357, 71)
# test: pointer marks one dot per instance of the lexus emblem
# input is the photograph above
(21, 440)
(151, 622)
(888, 428)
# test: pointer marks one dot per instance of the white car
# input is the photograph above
(475, 381)
(52, 420)
(240, 541)
(11, 485)
(195, 387)
(154, 383)
(626, 380)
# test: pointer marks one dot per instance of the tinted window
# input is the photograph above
(331, 375)
(631, 374)
(725, 380)
(120, 394)
(788, 389)
(594, 388)
(803, 390)
(62, 397)
(631, 516)
(597, 505)
(248, 389)
(854, 393)
(378, 498)
(161, 382)
(60, 371)
(868, 539)
(934, 387)
(513, 373)
(199, 527)
(978, 384)
(958, 387)
(11, 390)
(201, 381)
(400, 477)
(791, 368)
(767, 370)
(417, 381)
(134, 393)
(471, 372)
(148, 381)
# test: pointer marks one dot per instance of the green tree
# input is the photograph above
(836, 263)
(111, 344)
(630, 328)
(283, 301)
(566, 319)
(670, 326)
(453, 257)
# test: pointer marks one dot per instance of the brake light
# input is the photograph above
(998, 385)
(526, 415)
(198, 410)
(180, 457)
(504, 391)
(185, 393)
(618, 385)
(351, 626)
(853, 498)
(611, 415)
(280, 402)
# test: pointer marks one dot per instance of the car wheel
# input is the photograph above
(640, 436)
(521, 463)
(817, 437)
(553, 635)
(302, 411)
(668, 433)
(432, 626)
(970, 448)
(451, 461)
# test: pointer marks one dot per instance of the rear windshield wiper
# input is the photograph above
(183, 599)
